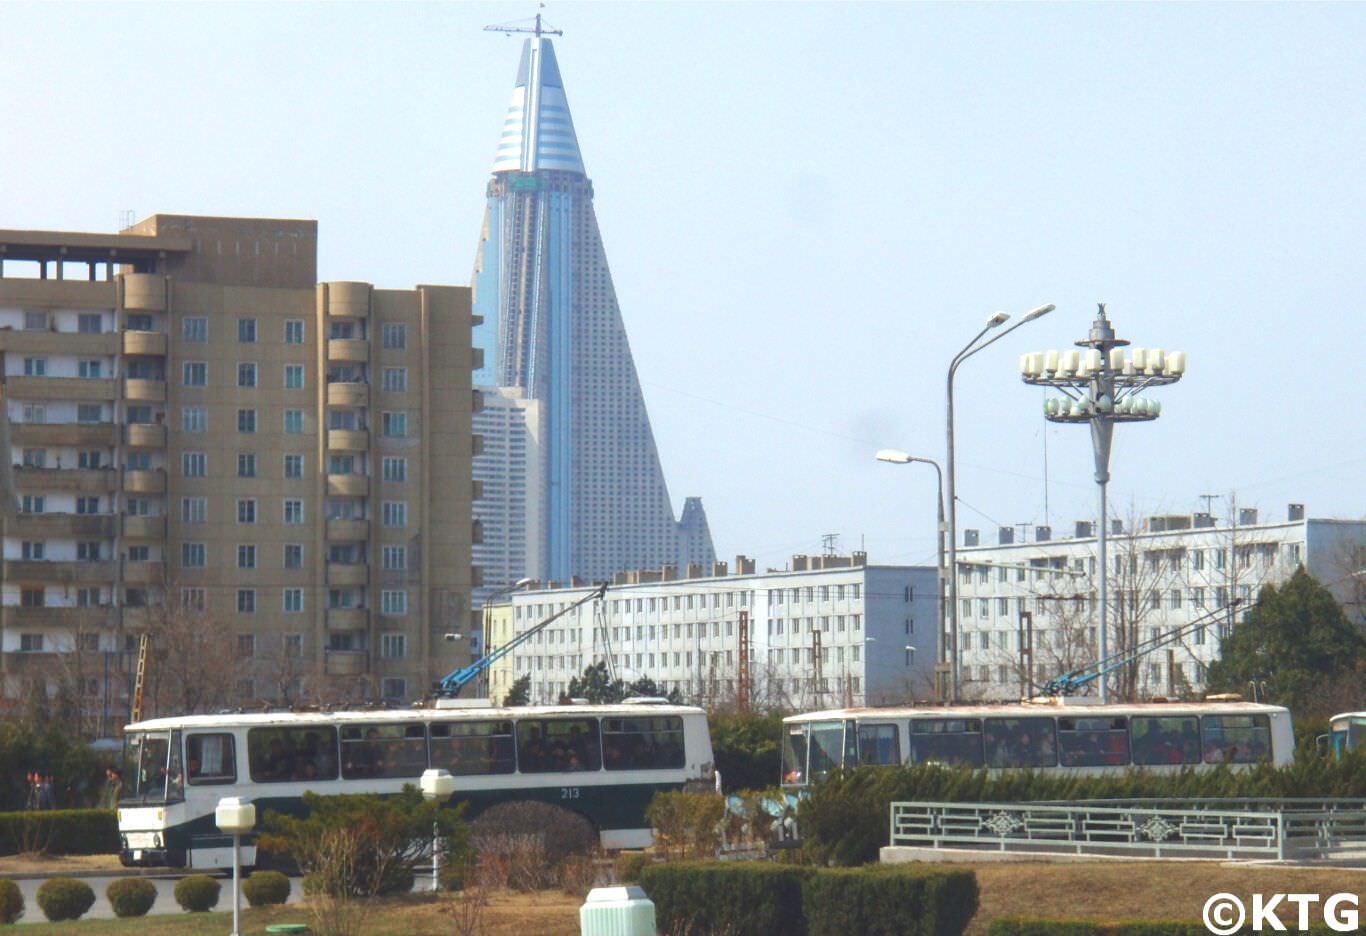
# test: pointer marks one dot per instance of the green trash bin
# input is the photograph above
(617, 911)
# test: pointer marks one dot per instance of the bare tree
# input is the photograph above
(193, 663)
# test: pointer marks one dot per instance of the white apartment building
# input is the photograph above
(827, 631)
(511, 512)
(1172, 571)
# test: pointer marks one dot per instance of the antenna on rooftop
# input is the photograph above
(830, 544)
(517, 26)
(126, 218)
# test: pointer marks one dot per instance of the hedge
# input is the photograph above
(263, 888)
(197, 893)
(60, 832)
(704, 898)
(889, 901)
(131, 897)
(11, 902)
(1029, 926)
(64, 898)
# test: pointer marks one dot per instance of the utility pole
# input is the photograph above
(818, 677)
(744, 689)
(1026, 638)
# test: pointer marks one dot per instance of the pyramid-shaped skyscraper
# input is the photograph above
(553, 331)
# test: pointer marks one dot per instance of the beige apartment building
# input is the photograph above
(204, 438)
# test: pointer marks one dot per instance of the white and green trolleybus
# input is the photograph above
(604, 762)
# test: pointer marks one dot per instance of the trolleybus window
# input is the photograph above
(1170, 740)
(1020, 742)
(144, 767)
(210, 759)
(642, 743)
(879, 744)
(1093, 742)
(827, 744)
(383, 751)
(794, 755)
(282, 755)
(474, 748)
(1236, 739)
(954, 742)
(558, 745)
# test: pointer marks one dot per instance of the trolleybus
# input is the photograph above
(604, 762)
(1347, 732)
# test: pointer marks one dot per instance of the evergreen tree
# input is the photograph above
(1298, 641)
(648, 688)
(520, 692)
(596, 685)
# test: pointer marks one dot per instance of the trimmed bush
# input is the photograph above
(263, 888)
(889, 901)
(629, 865)
(60, 832)
(561, 832)
(64, 898)
(11, 902)
(197, 893)
(131, 897)
(703, 898)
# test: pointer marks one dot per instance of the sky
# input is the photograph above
(808, 210)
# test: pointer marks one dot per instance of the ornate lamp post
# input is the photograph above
(1101, 387)
(438, 786)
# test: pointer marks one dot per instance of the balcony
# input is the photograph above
(51, 342)
(153, 528)
(477, 533)
(143, 573)
(54, 389)
(80, 481)
(345, 662)
(146, 435)
(76, 618)
(348, 485)
(144, 292)
(348, 350)
(65, 573)
(55, 434)
(144, 391)
(344, 393)
(348, 440)
(344, 531)
(142, 342)
(347, 618)
(348, 300)
(355, 573)
(63, 525)
(152, 481)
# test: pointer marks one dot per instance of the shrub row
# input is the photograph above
(64, 898)
(1029, 926)
(131, 897)
(723, 898)
(60, 832)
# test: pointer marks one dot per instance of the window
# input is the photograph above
(92, 459)
(139, 553)
(393, 646)
(470, 748)
(246, 331)
(282, 755)
(294, 645)
(557, 745)
(394, 602)
(194, 419)
(87, 505)
(294, 511)
(36, 413)
(34, 503)
(376, 751)
(395, 558)
(294, 331)
(89, 323)
(35, 367)
(395, 425)
(246, 510)
(246, 465)
(246, 556)
(90, 370)
(193, 599)
(642, 743)
(33, 551)
(1174, 740)
(246, 420)
(195, 374)
(246, 374)
(193, 509)
(953, 742)
(293, 604)
(395, 380)
(294, 376)
(1236, 739)
(30, 643)
(395, 513)
(294, 421)
(192, 555)
(210, 759)
(88, 643)
(35, 458)
(294, 467)
(35, 320)
(879, 745)
(88, 552)
(246, 601)
(194, 330)
(246, 646)
(395, 470)
(395, 336)
(294, 556)
(1093, 742)
(1174, 599)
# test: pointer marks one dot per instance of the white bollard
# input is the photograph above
(617, 911)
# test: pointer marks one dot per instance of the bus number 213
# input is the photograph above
(569, 792)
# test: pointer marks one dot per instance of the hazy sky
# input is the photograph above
(808, 209)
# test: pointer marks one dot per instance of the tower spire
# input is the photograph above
(538, 29)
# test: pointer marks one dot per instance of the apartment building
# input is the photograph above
(200, 430)
(826, 631)
(1165, 572)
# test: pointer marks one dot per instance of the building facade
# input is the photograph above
(552, 328)
(205, 438)
(1169, 572)
(510, 513)
(829, 631)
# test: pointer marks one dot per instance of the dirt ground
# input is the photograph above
(66, 864)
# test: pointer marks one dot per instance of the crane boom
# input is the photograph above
(1068, 683)
(538, 30)
(451, 684)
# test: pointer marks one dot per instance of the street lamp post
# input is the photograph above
(1100, 387)
(437, 787)
(895, 457)
(969, 349)
(234, 816)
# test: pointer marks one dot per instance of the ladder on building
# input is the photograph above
(140, 679)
